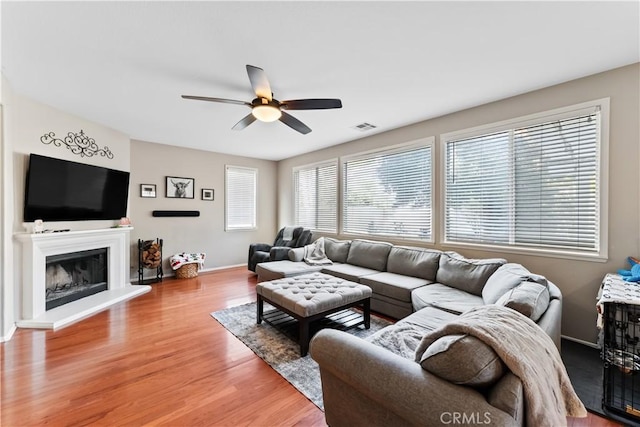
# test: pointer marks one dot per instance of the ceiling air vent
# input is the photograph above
(363, 127)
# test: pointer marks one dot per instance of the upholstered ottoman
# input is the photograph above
(312, 297)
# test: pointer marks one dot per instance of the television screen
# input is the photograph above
(60, 190)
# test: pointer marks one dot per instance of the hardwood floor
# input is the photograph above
(159, 359)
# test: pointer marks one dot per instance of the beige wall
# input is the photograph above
(151, 163)
(29, 120)
(579, 280)
(7, 295)
(6, 250)
(25, 121)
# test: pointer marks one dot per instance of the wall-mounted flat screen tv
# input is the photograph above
(61, 190)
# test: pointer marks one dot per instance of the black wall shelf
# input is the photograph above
(175, 213)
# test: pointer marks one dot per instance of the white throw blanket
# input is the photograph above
(529, 353)
(314, 253)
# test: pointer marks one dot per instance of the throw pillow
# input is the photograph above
(296, 254)
(415, 262)
(369, 254)
(337, 250)
(505, 278)
(528, 298)
(464, 360)
(469, 275)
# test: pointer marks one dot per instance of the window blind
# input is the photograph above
(240, 198)
(530, 186)
(389, 194)
(316, 197)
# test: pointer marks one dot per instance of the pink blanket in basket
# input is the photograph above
(178, 260)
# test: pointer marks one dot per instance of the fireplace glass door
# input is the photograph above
(75, 275)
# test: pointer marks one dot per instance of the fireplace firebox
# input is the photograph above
(75, 275)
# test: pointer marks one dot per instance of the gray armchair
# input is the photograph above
(263, 252)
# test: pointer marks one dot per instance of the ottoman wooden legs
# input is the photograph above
(303, 327)
(260, 308)
(366, 313)
(304, 322)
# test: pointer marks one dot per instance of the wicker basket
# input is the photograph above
(187, 271)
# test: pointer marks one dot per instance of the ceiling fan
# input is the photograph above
(268, 109)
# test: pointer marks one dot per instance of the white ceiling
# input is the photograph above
(125, 64)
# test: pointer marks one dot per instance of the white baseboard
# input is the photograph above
(9, 334)
(587, 343)
(204, 270)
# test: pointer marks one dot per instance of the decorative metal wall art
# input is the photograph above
(78, 143)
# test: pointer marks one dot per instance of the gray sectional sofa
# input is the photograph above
(406, 279)
(377, 381)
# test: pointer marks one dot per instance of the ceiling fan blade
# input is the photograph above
(246, 121)
(311, 104)
(259, 82)
(226, 101)
(294, 123)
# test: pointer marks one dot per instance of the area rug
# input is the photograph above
(278, 350)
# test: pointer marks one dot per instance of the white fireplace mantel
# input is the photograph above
(35, 250)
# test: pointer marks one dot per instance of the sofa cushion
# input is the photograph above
(462, 359)
(415, 262)
(337, 250)
(466, 274)
(528, 298)
(349, 272)
(445, 298)
(393, 285)
(369, 254)
(429, 318)
(390, 307)
(507, 277)
(403, 337)
(278, 269)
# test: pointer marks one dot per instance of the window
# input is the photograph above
(532, 183)
(315, 190)
(240, 198)
(389, 193)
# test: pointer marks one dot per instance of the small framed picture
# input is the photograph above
(147, 190)
(180, 188)
(207, 194)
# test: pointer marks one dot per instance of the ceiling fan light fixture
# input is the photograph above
(266, 110)
(266, 113)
